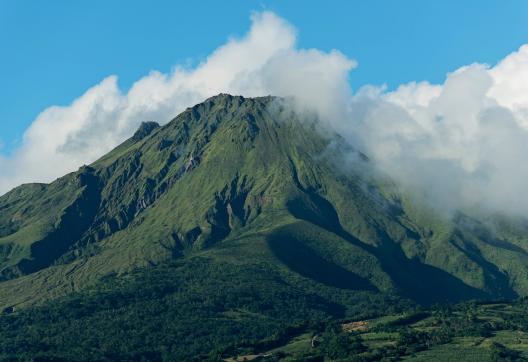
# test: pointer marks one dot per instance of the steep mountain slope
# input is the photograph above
(241, 182)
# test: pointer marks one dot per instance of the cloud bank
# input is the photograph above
(462, 143)
(265, 61)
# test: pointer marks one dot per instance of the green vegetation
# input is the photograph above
(183, 311)
(462, 332)
(235, 229)
(203, 310)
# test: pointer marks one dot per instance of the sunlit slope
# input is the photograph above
(244, 181)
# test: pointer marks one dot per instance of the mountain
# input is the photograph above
(245, 218)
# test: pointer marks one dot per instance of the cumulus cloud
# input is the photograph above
(264, 61)
(461, 143)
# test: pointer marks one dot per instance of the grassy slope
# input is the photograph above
(235, 201)
(230, 167)
(242, 178)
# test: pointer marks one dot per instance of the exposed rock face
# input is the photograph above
(144, 130)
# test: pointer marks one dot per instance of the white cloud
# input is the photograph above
(463, 143)
(263, 62)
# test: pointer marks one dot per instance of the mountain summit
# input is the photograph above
(243, 193)
(248, 176)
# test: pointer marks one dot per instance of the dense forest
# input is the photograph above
(205, 311)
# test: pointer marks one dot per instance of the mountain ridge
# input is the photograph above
(249, 171)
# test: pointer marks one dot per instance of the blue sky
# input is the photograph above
(52, 51)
